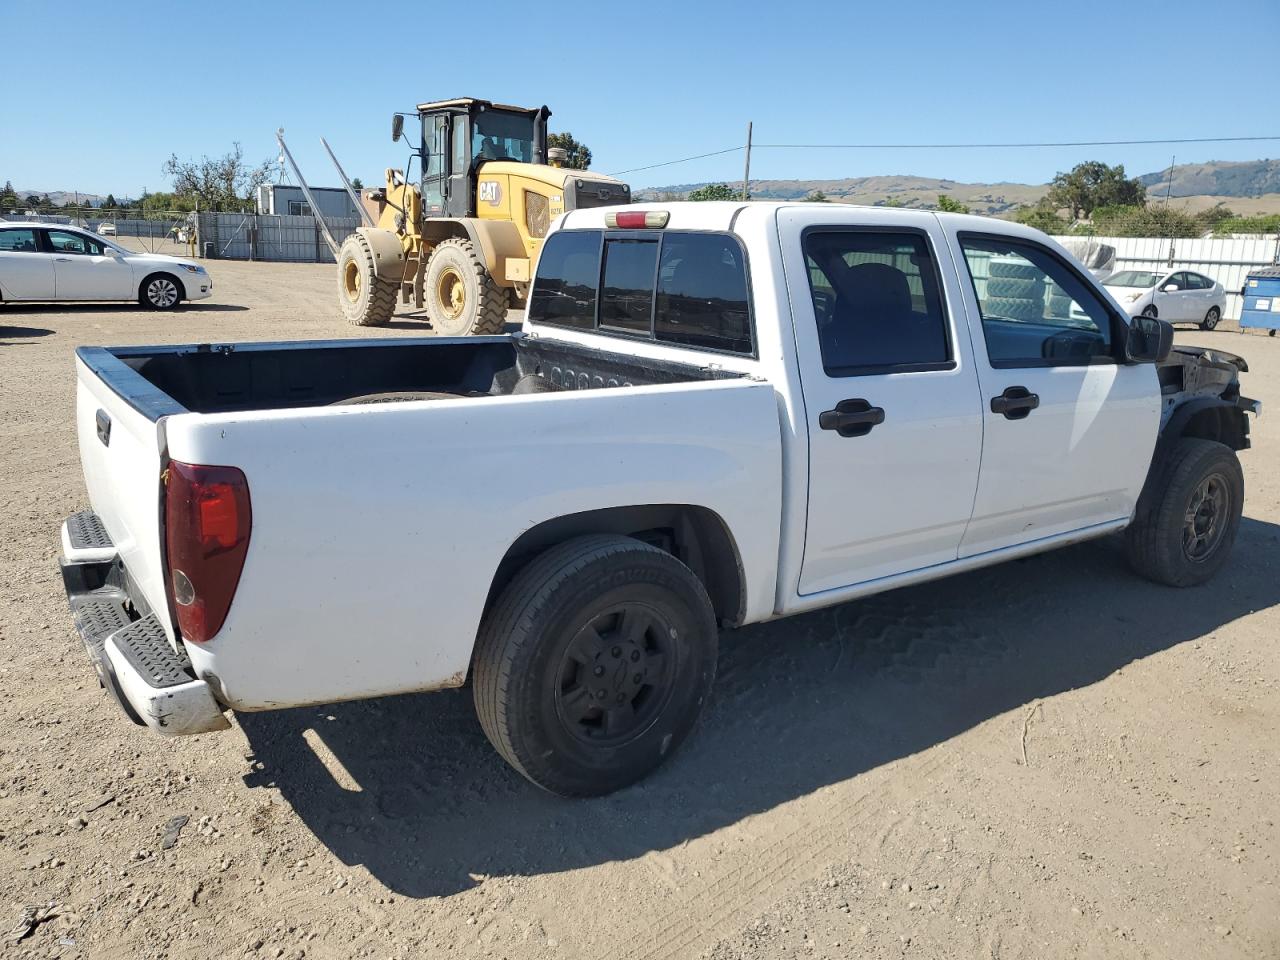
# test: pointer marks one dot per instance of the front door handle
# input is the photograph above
(1016, 403)
(62, 259)
(851, 418)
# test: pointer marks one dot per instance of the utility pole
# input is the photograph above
(746, 174)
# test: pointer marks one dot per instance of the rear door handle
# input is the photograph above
(61, 259)
(851, 418)
(1016, 403)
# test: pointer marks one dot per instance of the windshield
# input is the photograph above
(1132, 278)
(502, 136)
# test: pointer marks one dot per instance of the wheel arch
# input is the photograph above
(695, 535)
(1204, 418)
(497, 240)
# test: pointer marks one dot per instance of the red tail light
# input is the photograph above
(207, 520)
(637, 219)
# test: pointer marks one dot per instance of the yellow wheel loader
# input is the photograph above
(463, 238)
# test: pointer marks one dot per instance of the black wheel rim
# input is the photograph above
(1206, 517)
(616, 675)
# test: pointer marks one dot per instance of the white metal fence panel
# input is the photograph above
(1226, 259)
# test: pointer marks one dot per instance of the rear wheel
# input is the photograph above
(161, 291)
(1211, 319)
(462, 297)
(366, 300)
(593, 665)
(1185, 532)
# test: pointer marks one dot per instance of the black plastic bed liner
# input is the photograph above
(219, 378)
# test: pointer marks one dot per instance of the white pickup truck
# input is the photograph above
(716, 414)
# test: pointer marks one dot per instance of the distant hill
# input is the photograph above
(904, 191)
(1219, 178)
(61, 197)
(1203, 184)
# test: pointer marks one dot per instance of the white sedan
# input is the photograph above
(41, 261)
(1179, 296)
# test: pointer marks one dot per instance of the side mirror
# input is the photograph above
(397, 126)
(1149, 340)
(1169, 288)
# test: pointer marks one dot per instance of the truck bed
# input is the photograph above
(227, 378)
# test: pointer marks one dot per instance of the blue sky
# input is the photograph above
(640, 83)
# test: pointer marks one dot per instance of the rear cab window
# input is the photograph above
(685, 288)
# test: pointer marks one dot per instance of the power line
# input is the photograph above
(988, 146)
(668, 163)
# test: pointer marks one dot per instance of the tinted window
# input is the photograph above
(626, 297)
(64, 242)
(876, 299)
(1197, 282)
(1035, 310)
(1178, 280)
(564, 290)
(18, 241)
(702, 293)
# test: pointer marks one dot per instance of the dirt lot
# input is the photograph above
(1047, 759)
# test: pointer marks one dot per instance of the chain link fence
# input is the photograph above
(232, 236)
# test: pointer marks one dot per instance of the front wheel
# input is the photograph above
(1184, 533)
(593, 665)
(463, 299)
(1211, 319)
(161, 291)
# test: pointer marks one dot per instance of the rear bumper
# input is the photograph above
(129, 650)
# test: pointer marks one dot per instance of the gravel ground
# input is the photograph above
(1047, 759)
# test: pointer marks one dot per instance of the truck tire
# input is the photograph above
(593, 664)
(1188, 519)
(1016, 269)
(1015, 287)
(1015, 308)
(462, 298)
(366, 299)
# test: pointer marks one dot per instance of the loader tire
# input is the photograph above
(462, 297)
(366, 299)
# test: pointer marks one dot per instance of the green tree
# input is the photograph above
(948, 205)
(110, 202)
(1091, 185)
(715, 191)
(579, 153)
(817, 196)
(217, 183)
(356, 184)
(1042, 216)
(1156, 220)
(8, 196)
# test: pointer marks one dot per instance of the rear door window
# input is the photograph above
(877, 302)
(18, 240)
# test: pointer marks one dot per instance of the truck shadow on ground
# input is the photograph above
(423, 801)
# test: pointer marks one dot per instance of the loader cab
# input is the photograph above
(458, 136)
